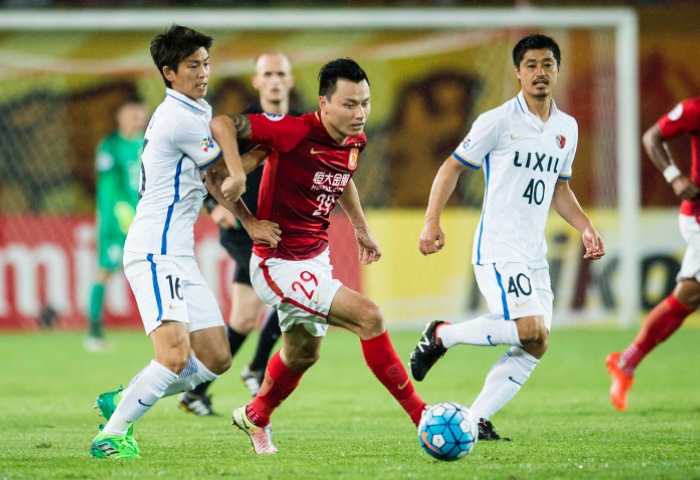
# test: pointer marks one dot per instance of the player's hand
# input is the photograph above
(593, 243)
(223, 218)
(265, 232)
(233, 187)
(369, 248)
(432, 239)
(125, 214)
(684, 187)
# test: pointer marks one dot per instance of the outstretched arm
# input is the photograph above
(226, 130)
(432, 238)
(656, 147)
(350, 201)
(567, 206)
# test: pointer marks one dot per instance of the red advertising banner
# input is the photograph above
(47, 268)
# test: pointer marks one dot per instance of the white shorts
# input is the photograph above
(301, 291)
(690, 229)
(170, 287)
(515, 290)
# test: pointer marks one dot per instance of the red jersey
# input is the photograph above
(685, 118)
(302, 179)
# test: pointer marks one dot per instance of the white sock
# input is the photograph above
(144, 391)
(503, 382)
(487, 331)
(194, 373)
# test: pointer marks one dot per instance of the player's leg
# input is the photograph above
(513, 290)
(663, 320)
(246, 309)
(357, 313)
(95, 339)
(210, 345)
(509, 294)
(301, 291)
(299, 352)
(659, 325)
(253, 374)
(173, 300)
(171, 343)
(245, 315)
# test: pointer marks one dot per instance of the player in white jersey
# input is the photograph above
(179, 311)
(526, 148)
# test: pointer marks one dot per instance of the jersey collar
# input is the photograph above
(522, 106)
(179, 97)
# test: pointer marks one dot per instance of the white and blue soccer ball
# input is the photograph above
(448, 431)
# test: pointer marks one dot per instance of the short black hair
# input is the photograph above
(345, 68)
(535, 41)
(171, 47)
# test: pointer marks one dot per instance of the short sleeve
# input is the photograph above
(479, 142)
(566, 171)
(194, 140)
(281, 132)
(684, 118)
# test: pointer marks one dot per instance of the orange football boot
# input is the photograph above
(621, 382)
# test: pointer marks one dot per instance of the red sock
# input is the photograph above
(382, 359)
(661, 322)
(279, 383)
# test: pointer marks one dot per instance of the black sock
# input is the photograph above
(268, 337)
(235, 340)
(201, 389)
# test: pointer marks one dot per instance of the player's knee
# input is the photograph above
(243, 324)
(306, 362)
(532, 330)
(372, 320)
(302, 361)
(220, 364)
(175, 362)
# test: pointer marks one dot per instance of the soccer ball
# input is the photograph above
(448, 431)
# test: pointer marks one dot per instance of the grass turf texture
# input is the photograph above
(342, 424)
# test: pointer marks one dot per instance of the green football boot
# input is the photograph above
(107, 403)
(112, 446)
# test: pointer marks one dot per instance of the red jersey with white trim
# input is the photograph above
(302, 179)
(685, 118)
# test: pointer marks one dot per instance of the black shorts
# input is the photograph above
(240, 247)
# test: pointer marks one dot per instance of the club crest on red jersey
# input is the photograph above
(561, 141)
(352, 160)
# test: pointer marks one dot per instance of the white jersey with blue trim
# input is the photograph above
(177, 146)
(522, 158)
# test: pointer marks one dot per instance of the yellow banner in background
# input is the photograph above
(413, 289)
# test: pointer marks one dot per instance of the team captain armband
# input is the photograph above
(671, 173)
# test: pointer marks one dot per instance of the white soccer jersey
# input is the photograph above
(177, 146)
(522, 158)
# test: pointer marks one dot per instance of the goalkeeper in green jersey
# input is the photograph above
(117, 165)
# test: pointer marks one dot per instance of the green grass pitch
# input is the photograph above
(341, 423)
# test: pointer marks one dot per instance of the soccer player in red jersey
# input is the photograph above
(668, 315)
(308, 171)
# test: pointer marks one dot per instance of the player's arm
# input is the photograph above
(226, 130)
(432, 238)
(261, 231)
(656, 147)
(567, 206)
(251, 160)
(350, 202)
